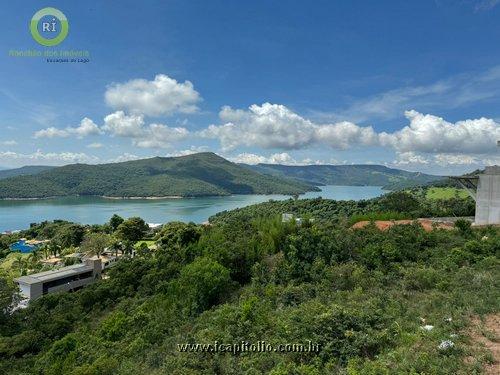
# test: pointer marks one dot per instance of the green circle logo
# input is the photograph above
(60, 30)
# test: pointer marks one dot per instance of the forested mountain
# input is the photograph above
(349, 175)
(200, 174)
(24, 171)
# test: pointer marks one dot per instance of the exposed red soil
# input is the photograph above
(427, 224)
(485, 335)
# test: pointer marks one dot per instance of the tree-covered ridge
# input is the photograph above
(200, 174)
(24, 171)
(400, 204)
(375, 302)
(349, 175)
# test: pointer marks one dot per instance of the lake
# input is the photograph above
(94, 210)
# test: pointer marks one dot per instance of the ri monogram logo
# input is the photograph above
(49, 27)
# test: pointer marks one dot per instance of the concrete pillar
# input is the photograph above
(488, 197)
(96, 264)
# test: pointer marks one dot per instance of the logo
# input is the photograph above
(49, 27)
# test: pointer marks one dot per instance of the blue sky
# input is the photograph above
(413, 84)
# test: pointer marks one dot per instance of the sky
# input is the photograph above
(408, 84)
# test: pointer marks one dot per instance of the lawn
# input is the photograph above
(147, 242)
(446, 193)
(7, 262)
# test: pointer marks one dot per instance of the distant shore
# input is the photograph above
(139, 198)
(95, 196)
(27, 199)
(152, 198)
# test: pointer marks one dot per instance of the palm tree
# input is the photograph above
(54, 248)
(116, 246)
(33, 258)
(128, 247)
(20, 263)
(45, 250)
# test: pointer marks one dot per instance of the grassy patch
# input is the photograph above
(446, 193)
(149, 243)
(7, 263)
(372, 216)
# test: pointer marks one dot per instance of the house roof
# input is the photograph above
(35, 278)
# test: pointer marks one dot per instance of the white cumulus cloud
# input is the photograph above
(161, 96)
(150, 136)
(161, 136)
(85, 128)
(95, 145)
(123, 157)
(408, 158)
(432, 134)
(426, 139)
(277, 158)
(276, 126)
(51, 132)
(15, 159)
(122, 125)
(9, 143)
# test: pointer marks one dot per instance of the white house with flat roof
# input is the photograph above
(61, 280)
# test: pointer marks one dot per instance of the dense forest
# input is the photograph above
(399, 301)
(349, 175)
(200, 174)
(27, 170)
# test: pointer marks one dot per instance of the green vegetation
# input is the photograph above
(67, 238)
(132, 229)
(349, 175)
(24, 171)
(374, 216)
(396, 205)
(193, 175)
(366, 297)
(149, 243)
(445, 193)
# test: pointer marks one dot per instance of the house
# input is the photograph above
(286, 218)
(154, 225)
(107, 260)
(61, 280)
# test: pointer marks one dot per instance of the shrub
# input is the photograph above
(464, 227)
(201, 284)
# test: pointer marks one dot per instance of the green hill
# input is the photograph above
(24, 171)
(250, 293)
(348, 175)
(200, 174)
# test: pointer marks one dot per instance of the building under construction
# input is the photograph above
(485, 189)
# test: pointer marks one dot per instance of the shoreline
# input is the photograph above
(94, 196)
(138, 198)
(160, 212)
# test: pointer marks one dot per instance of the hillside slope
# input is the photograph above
(24, 171)
(200, 174)
(349, 175)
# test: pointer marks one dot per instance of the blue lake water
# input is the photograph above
(93, 210)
